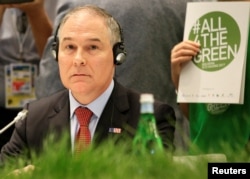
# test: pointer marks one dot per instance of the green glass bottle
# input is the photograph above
(147, 139)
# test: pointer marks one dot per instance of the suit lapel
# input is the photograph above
(113, 116)
(59, 116)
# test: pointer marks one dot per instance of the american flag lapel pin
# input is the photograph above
(115, 130)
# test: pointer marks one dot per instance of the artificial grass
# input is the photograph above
(110, 161)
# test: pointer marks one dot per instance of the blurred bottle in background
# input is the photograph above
(147, 139)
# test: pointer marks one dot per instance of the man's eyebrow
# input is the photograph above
(94, 39)
(67, 38)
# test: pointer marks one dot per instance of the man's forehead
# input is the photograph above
(83, 24)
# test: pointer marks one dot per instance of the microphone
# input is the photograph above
(20, 116)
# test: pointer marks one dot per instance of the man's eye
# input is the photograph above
(70, 47)
(93, 47)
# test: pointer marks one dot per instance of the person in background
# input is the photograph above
(150, 31)
(87, 46)
(24, 30)
(227, 131)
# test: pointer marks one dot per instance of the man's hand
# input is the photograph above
(30, 8)
(28, 168)
(180, 54)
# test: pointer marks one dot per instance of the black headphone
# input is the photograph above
(119, 52)
(55, 44)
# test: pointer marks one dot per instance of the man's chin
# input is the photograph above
(81, 87)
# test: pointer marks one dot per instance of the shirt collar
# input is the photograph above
(95, 106)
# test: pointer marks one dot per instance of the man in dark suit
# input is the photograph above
(88, 46)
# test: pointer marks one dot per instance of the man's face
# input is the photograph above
(85, 56)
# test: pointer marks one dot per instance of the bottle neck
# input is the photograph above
(147, 108)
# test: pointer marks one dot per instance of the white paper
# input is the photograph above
(222, 29)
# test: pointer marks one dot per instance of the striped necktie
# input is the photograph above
(83, 137)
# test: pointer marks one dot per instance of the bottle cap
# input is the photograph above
(147, 97)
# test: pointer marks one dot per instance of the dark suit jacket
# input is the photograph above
(52, 114)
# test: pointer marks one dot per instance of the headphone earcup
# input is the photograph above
(119, 53)
(54, 48)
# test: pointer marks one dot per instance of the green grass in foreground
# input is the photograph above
(110, 161)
